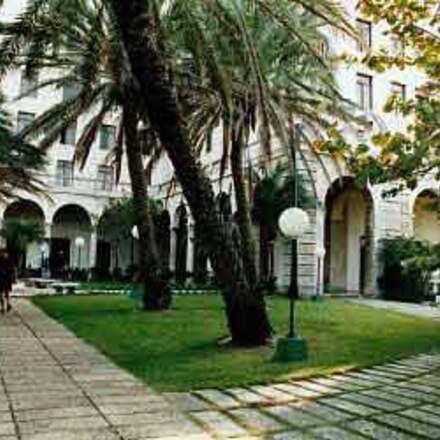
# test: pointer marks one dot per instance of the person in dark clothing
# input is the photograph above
(7, 279)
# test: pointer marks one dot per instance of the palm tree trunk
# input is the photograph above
(157, 99)
(155, 285)
(264, 254)
(243, 210)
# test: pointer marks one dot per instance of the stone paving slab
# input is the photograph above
(65, 389)
(54, 386)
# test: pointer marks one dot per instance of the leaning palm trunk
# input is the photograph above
(244, 220)
(246, 312)
(265, 252)
(156, 293)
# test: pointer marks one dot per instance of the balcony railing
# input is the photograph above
(84, 185)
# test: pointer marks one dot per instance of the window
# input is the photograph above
(398, 90)
(364, 29)
(23, 120)
(70, 91)
(107, 137)
(27, 84)
(64, 173)
(364, 91)
(105, 178)
(68, 136)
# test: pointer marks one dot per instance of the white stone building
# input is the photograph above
(347, 221)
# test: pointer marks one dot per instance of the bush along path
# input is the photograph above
(66, 389)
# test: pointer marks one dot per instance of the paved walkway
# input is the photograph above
(419, 310)
(55, 387)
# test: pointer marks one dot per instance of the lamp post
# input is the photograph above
(79, 243)
(320, 254)
(43, 250)
(293, 223)
(134, 236)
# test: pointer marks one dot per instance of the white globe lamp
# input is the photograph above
(80, 242)
(135, 232)
(294, 222)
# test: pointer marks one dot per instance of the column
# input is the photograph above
(45, 270)
(93, 248)
(320, 249)
(190, 249)
(173, 249)
(2, 239)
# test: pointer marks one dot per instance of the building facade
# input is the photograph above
(347, 222)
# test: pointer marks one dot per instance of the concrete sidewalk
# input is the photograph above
(418, 310)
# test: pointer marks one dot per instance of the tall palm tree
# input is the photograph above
(142, 35)
(81, 40)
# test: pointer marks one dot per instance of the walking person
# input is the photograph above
(7, 279)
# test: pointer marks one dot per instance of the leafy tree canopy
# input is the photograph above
(118, 217)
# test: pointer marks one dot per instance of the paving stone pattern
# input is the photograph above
(55, 387)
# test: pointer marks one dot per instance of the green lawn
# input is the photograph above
(178, 350)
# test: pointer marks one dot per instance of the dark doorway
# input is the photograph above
(59, 257)
(103, 258)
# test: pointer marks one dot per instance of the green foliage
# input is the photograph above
(18, 160)
(118, 217)
(407, 268)
(179, 351)
(21, 232)
(275, 192)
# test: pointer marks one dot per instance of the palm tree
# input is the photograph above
(81, 39)
(144, 41)
(18, 161)
(257, 88)
(272, 194)
(19, 233)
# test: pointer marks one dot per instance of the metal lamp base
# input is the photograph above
(291, 350)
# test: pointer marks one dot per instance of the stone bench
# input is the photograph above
(65, 288)
(39, 283)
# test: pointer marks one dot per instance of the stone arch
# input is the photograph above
(348, 237)
(27, 209)
(68, 223)
(426, 220)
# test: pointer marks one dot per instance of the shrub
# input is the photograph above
(407, 266)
